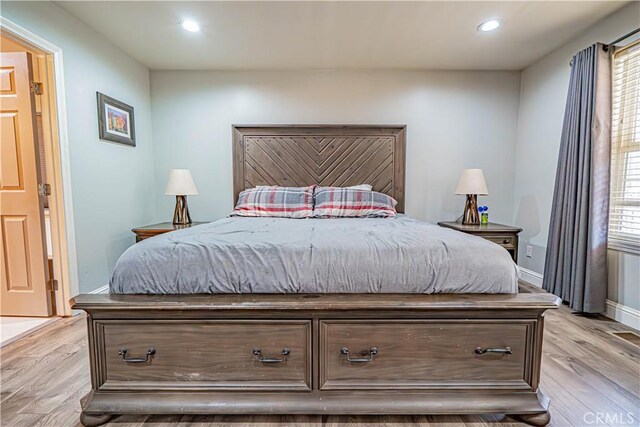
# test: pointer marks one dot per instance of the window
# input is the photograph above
(624, 217)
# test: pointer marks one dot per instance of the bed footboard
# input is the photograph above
(315, 354)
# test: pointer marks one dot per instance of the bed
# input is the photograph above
(406, 321)
(242, 255)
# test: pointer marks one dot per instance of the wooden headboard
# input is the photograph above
(327, 155)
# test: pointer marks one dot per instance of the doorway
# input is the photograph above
(37, 269)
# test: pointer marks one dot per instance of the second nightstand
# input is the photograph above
(161, 228)
(504, 235)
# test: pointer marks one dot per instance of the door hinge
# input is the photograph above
(44, 189)
(53, 285)
(36, 88)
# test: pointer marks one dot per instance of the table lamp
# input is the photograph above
(471, 184)
(181, 185)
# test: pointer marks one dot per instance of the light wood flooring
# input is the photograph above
(591, 376)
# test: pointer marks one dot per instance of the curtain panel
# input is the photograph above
(576, 258)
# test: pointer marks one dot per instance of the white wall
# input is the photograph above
(455, 120)
(542, 101)
(112, 184)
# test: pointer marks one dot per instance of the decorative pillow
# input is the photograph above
(336, 202)
(272, 201)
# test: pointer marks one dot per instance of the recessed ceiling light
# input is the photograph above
(489, 25)
(191, 26)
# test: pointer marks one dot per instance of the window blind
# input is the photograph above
(624, 216)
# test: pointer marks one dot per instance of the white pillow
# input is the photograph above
(366, 187)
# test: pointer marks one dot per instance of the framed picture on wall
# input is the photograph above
(115, 121)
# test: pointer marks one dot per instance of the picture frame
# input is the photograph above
(116, 121)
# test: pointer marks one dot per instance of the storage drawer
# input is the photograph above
(206, 354)
(424, 354)
(507, 242)
(140, 237)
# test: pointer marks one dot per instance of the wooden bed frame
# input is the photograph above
(316, 354)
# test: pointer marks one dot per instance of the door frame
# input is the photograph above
(65, 263)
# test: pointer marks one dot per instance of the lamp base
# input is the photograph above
(470, 215)
(181, 213)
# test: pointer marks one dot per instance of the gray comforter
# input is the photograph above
(278, 255)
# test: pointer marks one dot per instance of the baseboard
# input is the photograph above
(531, 277)
(623, 314)
(101, 290)
(620, 313)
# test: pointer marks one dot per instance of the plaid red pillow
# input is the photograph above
(271, 201)
(336, 202)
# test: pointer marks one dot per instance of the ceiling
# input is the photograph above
(324, 34)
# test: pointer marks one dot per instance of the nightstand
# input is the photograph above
(504, 235)
(161, 228)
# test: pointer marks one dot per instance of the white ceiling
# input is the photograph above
(323, 34)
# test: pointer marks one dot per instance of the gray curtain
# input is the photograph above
(576, 259)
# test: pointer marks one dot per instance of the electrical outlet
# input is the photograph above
(529, 251)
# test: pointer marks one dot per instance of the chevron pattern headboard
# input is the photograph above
(327, 155)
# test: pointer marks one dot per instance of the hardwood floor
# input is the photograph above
(591, 376)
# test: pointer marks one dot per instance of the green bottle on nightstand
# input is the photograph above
(484, 215)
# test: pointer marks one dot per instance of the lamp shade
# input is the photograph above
(180, 183)
(472, 182)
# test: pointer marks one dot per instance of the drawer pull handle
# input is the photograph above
(285, 352)
(506, 350)
(372, 352)
(506, 241)
(123, 352)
